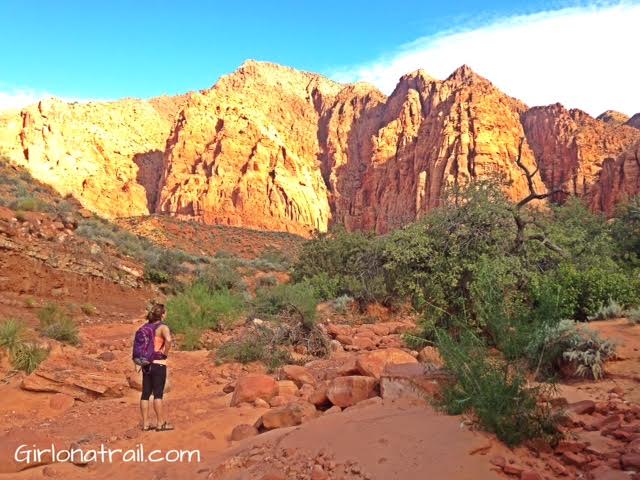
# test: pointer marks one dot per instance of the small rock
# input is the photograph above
(243, 431)
(107, 356)
(630, 461)
(574, 459)
(584, 407)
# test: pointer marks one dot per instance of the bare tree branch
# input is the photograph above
(521, 221)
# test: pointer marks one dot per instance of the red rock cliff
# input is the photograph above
(271, 147)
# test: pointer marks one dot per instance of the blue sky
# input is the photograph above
(113, 49)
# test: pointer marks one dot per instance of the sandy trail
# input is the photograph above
(392, 440)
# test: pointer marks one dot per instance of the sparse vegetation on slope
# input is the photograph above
(56, 323)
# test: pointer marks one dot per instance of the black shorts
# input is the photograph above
(154, 377)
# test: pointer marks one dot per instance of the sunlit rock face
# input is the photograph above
(273, 148)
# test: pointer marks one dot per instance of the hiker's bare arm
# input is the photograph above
(166, 334)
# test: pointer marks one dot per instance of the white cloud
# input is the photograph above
(584, 57)
(16, 98)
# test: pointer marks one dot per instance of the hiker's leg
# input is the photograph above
(159, 381)
(144, 399)
(157, 407)
(144, 410)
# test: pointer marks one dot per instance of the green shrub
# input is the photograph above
(222, 275)
(584, 290)
(324, 287)
(29, 204)
(201, 308)
(191, 339)
(266, 281)
(57, 324)
(626, 232)
(27, 356)
(290, 299)
(155, 276)
(12, 333)
(611, 310)
(494, 391)
(353, 262)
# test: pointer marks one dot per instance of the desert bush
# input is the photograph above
(287, 300)
(156, 276)
(29, 204)
(200, 308)
(12, 333)
(222, 275)
(341, 304)
(587, 289)
(269, 343)
(353, 262)
(494, 391)
(564, 346)
(633, 314)
(606, 312)
(266, 281)
(271, 260)
(88, 309)
(626, 232)
(27, 356)
(57, 324)
(191, 338)
(254, 349)
(324, 287)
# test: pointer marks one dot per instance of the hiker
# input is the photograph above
(151, 347)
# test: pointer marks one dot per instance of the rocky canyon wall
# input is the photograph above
(270, 147)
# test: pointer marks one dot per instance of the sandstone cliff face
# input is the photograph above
(273, 148)
(613, 118)
(427, 136)
(634, 121)
(246, 152)
(619, 180)
(570, 146)
(106, 154)
(341, 154)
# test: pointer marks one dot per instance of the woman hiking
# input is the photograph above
(152, 344)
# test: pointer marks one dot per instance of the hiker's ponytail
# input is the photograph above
(155, 313)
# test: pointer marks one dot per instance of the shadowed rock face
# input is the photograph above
(570, 146)
(273, 148)
(619, 180)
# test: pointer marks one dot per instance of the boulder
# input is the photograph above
(77, 376)
(372, 364)
(251, 387)
(347, 391)
(298, 374)
(411, 380)
(288, 415)
(287, 388)
(240, 432)
(319, 396)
